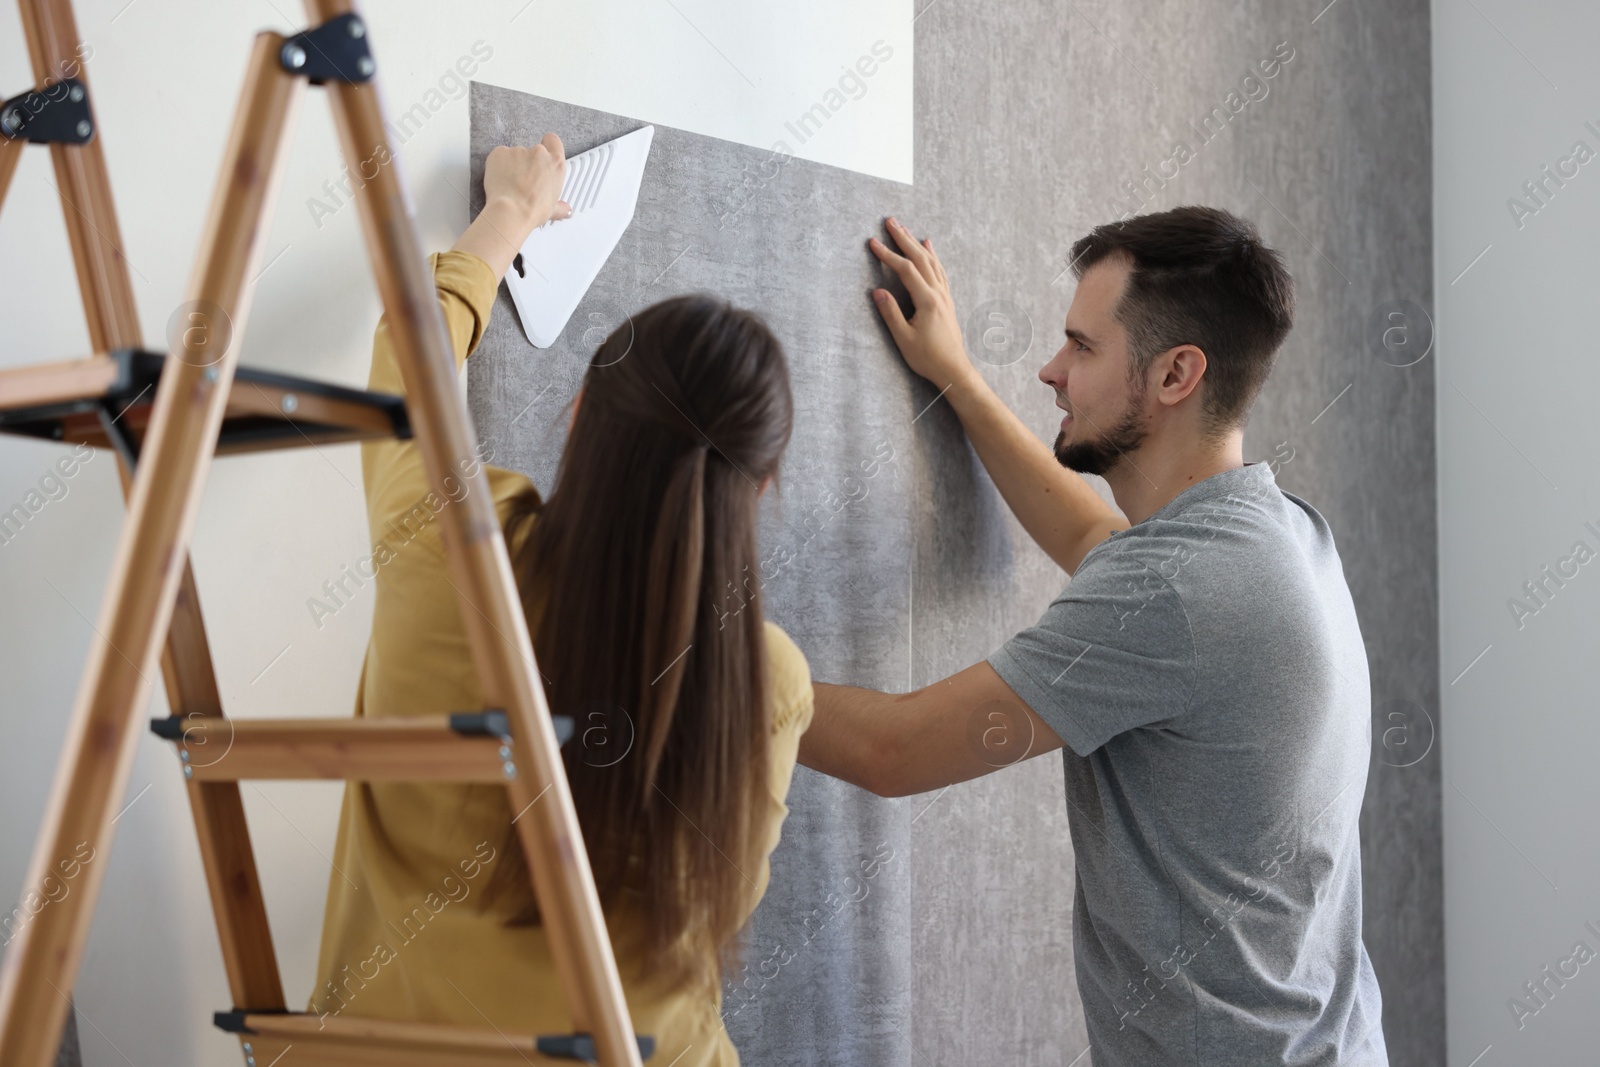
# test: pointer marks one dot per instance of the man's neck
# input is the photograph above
(1145, 481)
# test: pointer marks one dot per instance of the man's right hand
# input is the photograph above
(1058, 509)
(931, 339)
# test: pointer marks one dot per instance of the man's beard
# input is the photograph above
(1099, 454)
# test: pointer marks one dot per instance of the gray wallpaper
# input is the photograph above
(937, 929)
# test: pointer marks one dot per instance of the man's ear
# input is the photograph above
(1186, 370)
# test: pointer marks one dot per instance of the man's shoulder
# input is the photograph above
(1150, 550)
(1212, 539)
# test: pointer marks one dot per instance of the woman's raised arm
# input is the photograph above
(521, 192)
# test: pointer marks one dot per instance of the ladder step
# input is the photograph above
(73, 401)
(339, 1041)
(423, 748)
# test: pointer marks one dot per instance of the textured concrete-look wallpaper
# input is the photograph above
(937, 929)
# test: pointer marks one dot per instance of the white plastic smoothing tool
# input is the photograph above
(560, 259)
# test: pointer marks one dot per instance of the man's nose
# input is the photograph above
(1053, 373)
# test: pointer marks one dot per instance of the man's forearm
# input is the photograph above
(899, 744)
(1058, 508)
(841, 741)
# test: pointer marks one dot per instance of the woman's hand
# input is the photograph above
(931, 340)
(521, 192)
(529, 179)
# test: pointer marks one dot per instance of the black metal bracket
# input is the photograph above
(334, 51)
(489, 723)
(170, 728)
(493, 722)
(581, 1047)
(233, 1021)
(118, 435)
(56, 114)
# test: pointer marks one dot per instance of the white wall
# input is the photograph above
(1517, 374)
(165, 77)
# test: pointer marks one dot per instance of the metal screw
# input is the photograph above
(84, 127)
(188, 772)
(294, 56)
(209, 374)
(183, 755)
(365, 66)
(357, 29)
(510, 769)
(57, 432)
(290, 403)
(247, 1049)
(77, 93)
(505, 751)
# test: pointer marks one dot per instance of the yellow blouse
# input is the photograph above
(404, 935)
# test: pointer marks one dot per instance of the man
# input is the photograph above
(1203, 671)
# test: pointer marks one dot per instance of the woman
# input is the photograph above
(688, 714)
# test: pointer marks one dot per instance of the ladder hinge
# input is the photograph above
(334, 51)
(56, 114)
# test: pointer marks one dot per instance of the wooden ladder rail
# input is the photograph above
(104, 285)
(151, 594)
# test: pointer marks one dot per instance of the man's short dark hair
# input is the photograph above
(1199, 276)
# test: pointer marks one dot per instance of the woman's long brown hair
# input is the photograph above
(685, 410)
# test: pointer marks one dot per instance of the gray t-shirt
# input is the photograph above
(1206, 672)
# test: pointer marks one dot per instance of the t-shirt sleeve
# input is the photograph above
(1112, 653)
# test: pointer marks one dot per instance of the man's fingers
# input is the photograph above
(889, 308)
(562, 210)
(933, 258)
(908, 245)
(915, 283)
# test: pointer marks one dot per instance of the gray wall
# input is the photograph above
(938, 928)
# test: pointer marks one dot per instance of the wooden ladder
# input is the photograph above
(166, 415)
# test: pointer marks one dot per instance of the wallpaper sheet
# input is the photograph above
(937, 928)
